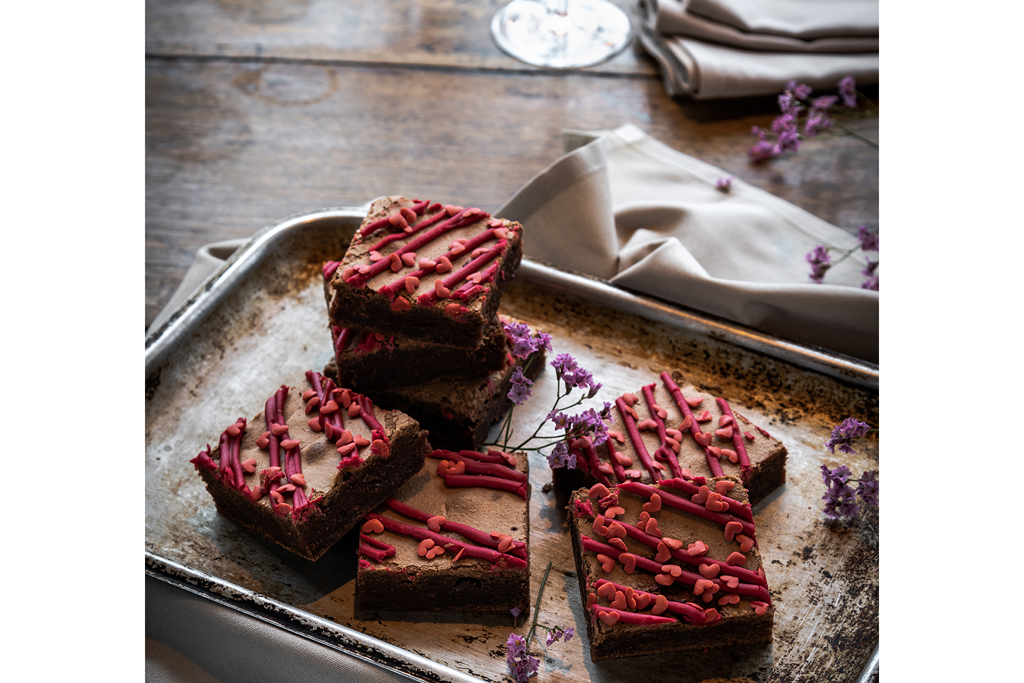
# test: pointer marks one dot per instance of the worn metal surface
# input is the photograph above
(261, 322)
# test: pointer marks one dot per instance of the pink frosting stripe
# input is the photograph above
(684, 408)
(689, 506)
(476, 535)
(449, 544)
(668, 455)
(637, 440)
(737, 439)
(694, 615)
(633, 617)
(735, 507)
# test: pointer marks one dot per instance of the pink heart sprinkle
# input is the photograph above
(730, 581)
(628, 562)
(264, 440)
(434, 523)
(732, 455)
(710, 615)
(607, 563)
(724, 433)
(297, 479)
(249, 465)
(696, 548)
(355, 409)
(660, 602)
(724, 420)
(599, 528)
(289, 444)
(673, 444)
(653, 505)
(623, 459)
(709, 571)
(506, 543)
(345, 437)
(633, 474)
(408, 214)
(620, 600)
(647, 425)
(642, 600)
(618, 543)
(347, 448)
(400, 304)
(672, 543)
(703, 585)
(664, 580)
(760, 608)
(736, 559)
(374, 526)
(629, 399)
(425, 545)
(609, 618)
(731, 599)
(396, 262)
(663, 553)
(398, 220)
(617, 530)
(674, 569)
(746, 543)
(361, 441)
(278, 429)
(703, 438)
(686, 424)
(453, 309)
(329, 407)
(597, 491)
(694, 401)
(731, 529)
(443, 265)
(441, 291)
(606, 590)
(724, 486)
(652, 529)
(704, 416)
(427, 264)
(315, 425)
(613, 511)
(701, 496)
(375, 256)
(411, 283)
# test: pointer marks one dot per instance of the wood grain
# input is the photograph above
(440, 33)
(232, 146)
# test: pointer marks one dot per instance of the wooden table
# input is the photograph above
(259, 109)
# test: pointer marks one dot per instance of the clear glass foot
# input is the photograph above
(561, 35)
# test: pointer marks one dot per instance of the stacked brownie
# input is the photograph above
(413, 315)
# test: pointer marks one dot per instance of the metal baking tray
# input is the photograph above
(260, 321)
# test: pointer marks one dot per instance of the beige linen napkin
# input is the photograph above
(711, 49)
(626, 208)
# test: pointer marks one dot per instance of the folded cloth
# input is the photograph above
(711, 49)
(621, 206)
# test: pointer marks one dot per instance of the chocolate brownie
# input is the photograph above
(673, 566)
(420, 269)
(670, 429)
(370, 360)
(311, 465)
(458, 413)
(454, 538)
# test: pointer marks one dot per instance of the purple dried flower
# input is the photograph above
(544, 341)
(815, 121)
(724, 184)
(521, 387)
(785, 101)
(762, 151)
(783, 124)
(870, 268)
(870, 283)
(520, 664)
(845, 432)
(559, 419)
(867, 487)
(568, 633)
(868, 240)
(562, 364)
(847, 88)
(558, 633)
(802, 91)
(835, 478)
(515, 612)
(523, 343)
(560, 456)
(820, 263)
(553, 636)
(824, 102)
(789, 140)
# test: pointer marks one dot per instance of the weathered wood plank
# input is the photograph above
(232, 146)
(448, 33)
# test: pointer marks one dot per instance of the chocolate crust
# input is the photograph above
(739, 625)
(401, 361)
(365, 308)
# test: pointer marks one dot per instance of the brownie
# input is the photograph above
(458, 413)
(454, 538)
(670, 428)
(327, 458)
(420, 269)
(673, 566)
(371, 360)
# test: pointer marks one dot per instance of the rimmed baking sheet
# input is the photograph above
(261, 321)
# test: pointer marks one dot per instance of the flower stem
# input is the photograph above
(536, 607)
(855, 134)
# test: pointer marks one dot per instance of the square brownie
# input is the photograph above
(671, 429)
(420, 269)
(454, 538)
(458, 413)
(367, 361)
(673, 566)
(308, 468)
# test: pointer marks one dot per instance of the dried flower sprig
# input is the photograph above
(520, 664)
(840, 497)
(818, 114)
(570, 376)
(821, 261)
